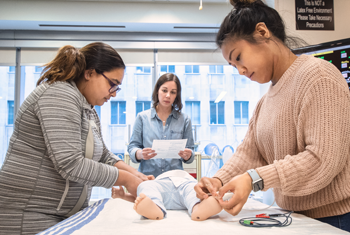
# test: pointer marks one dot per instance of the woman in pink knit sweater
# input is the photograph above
(298, 140)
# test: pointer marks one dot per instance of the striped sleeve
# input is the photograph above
(60, 114)
(107, 156)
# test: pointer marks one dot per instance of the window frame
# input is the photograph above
(217, 113)
(118, 102)
(241, 111)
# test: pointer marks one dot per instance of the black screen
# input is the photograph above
(337, 53)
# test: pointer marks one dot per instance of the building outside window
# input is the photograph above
(167, 69)
(192, 109)
(10, 108)
(241, 112)
(142, 106)
(38, 69)
(98, 111)
(12, 69)
(118, 112)
(143, 69)
(216, 69)
(191, 68)
(217, 112)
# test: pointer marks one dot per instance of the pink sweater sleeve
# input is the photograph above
(323, 128)
(245, 157)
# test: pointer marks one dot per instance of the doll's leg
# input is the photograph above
(199, 210)
(149, 202)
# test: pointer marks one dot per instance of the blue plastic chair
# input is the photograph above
(210, 148)
(228, 146)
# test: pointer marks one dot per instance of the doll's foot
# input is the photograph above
(206, 208)
(146, 207)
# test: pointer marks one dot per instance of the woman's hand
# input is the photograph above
(145, 154)
(207, 185)
(186, 154)
(144, 177)
(129, 181)
(241, 186)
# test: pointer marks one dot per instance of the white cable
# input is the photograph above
(229, 195)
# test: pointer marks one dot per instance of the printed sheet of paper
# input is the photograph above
(168, 148)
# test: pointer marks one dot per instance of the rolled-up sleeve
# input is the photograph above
(188, 134)
(136, 140)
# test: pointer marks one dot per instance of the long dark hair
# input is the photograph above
(177, 105)
(70, 63)
(240, 23)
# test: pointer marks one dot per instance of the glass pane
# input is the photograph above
(188, 109)
(171, 68)
(163, 68)
(196, 119)
(213, 113)
(220, 69)
(212, 69)
(195, 68)
(245, 113)
(11, 109)
(147, 69)
(139, 69)
(237, 107)
(12, 69)
(114, 112)
(122, 112)
(188, 68)
(221, 112)
(147, 105)
(138, 107)
(98, 111)
(7, 88)
(38, 69)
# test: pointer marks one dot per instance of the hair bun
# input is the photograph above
(237, 3)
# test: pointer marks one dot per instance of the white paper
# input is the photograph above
(169, 148)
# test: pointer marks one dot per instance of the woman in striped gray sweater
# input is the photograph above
(56, 153)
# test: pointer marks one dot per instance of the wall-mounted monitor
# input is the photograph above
(336, 52)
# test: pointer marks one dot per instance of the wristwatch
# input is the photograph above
(257, 182)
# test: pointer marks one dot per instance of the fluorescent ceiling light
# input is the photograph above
(195, 27)
(191, 98)
(222, 94)
(134, 97)
(79, 26)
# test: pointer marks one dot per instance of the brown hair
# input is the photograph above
(71, 63)
(177, 105)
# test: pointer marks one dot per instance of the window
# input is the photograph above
(38, 69)
(167, 68)
(143, 69)
(241, 112)
(217, 112)
(98, 111)
(118, 112)
(142, 106)
(193, 111)
(192, 69)
(12, 69)
(10, 113)
(216, 69)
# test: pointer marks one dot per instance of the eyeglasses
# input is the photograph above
(114, 87)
